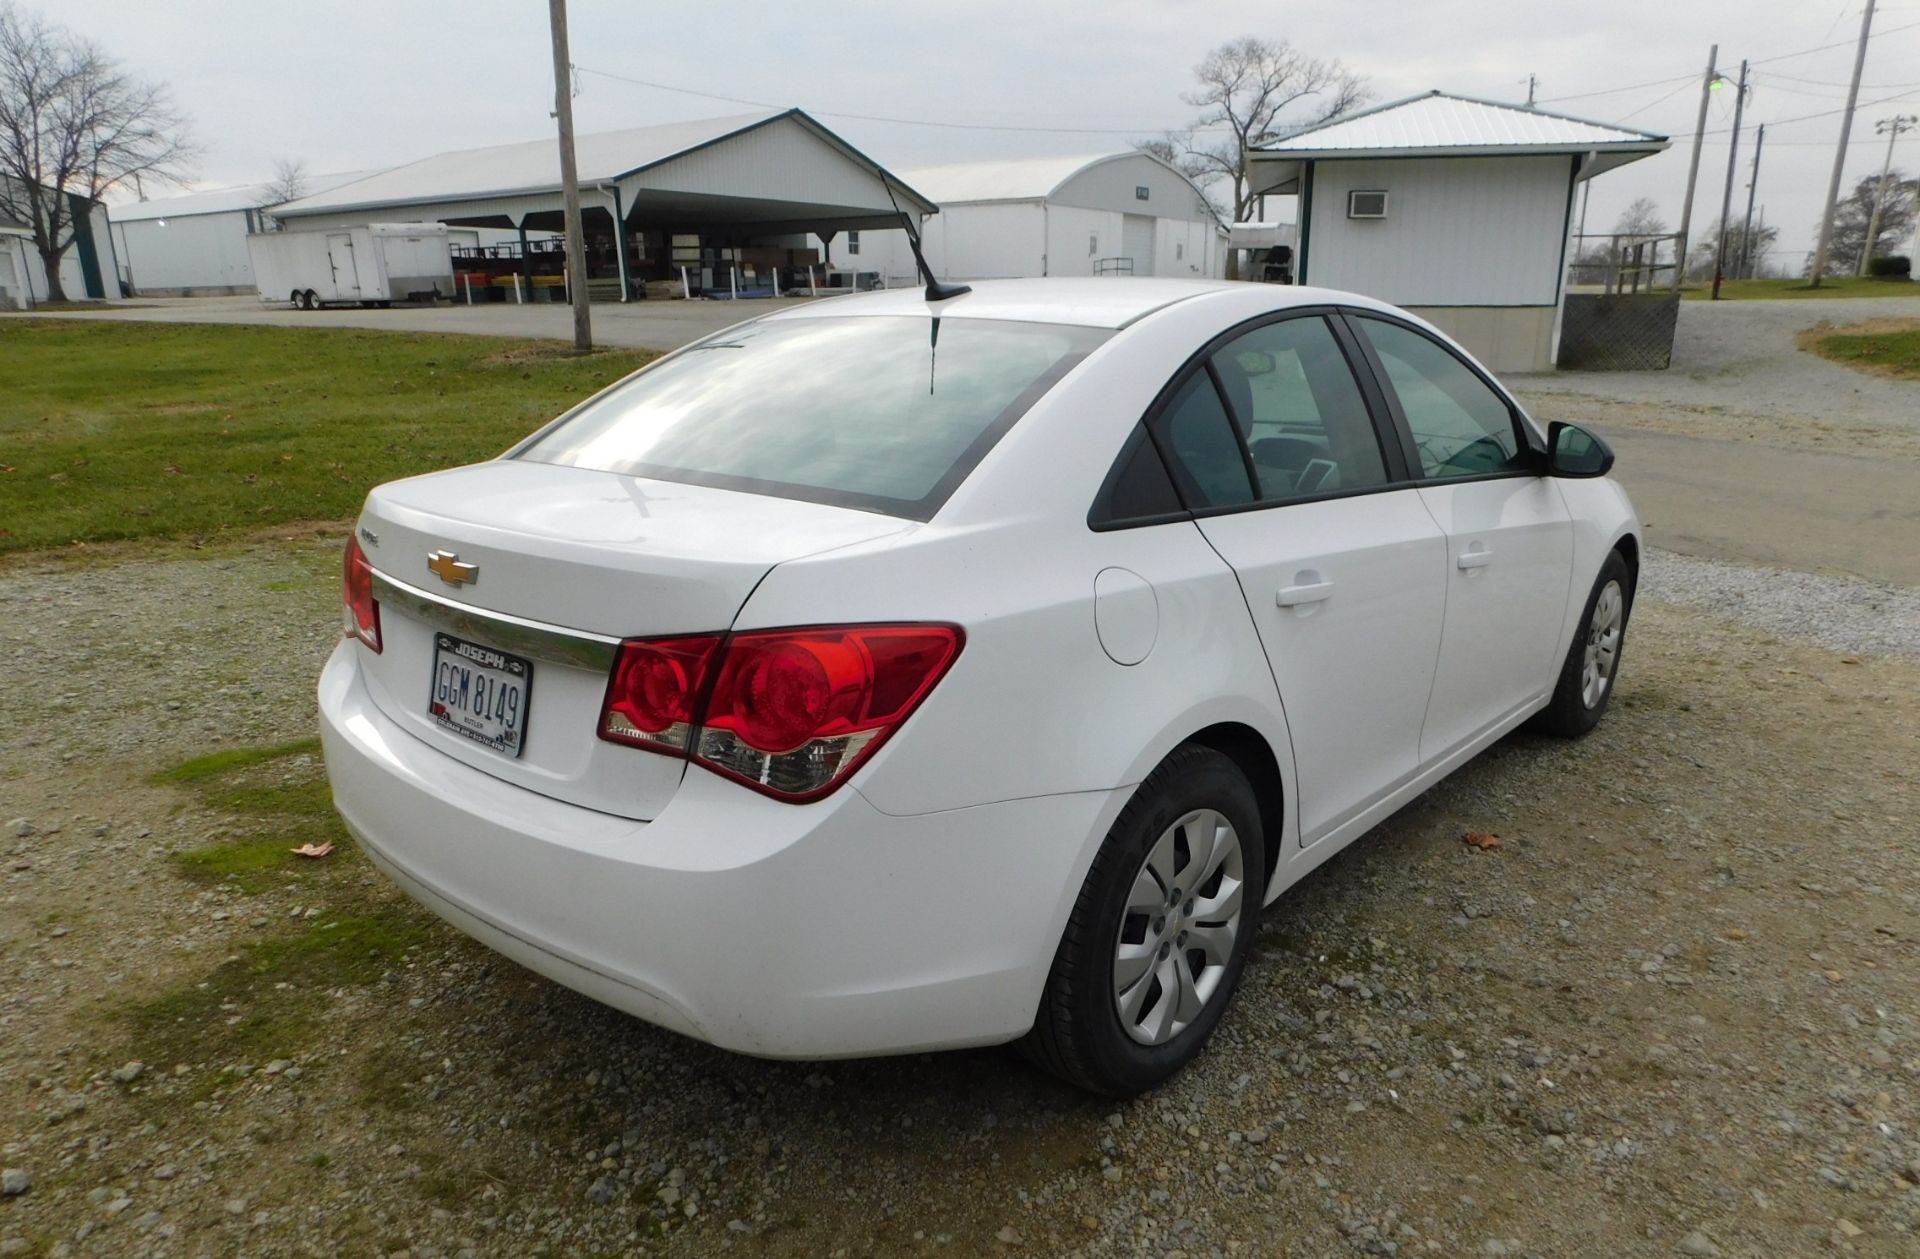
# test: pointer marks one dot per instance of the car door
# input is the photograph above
(1509, 535)
(1278, 454)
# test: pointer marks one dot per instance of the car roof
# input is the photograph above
(1102, 302)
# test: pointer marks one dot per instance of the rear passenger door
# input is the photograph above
(1274, 448)
(1509, 535)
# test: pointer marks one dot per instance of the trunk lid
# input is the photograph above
(564, 562)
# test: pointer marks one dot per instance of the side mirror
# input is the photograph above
(1574, 452)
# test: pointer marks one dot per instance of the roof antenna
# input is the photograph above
(936, 291)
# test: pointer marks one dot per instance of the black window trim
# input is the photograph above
(1536, 462)
(1394, 447)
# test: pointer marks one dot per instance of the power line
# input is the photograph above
(1760, 61)
(910, 122)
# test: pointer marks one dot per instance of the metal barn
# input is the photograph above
(196, 244)
(717, 197)
(1125, 213)
(1458, 209)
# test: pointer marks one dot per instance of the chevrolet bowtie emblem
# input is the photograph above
(447, 567)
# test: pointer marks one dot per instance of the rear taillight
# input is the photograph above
(356, 583)
(651, 696)
(791, 713)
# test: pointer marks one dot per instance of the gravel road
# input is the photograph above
(1741, 357)
(1673, 1013)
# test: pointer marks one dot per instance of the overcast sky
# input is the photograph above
(348, 84)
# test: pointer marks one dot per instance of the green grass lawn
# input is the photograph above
(1795, 290)
(113, 430)
(1890, 347)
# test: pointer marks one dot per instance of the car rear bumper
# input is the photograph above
(795, 931)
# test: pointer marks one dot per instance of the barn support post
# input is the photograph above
(620, 245)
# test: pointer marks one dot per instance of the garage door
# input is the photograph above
(1136, 241)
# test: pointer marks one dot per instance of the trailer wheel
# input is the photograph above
(313, 300)
(295, 300)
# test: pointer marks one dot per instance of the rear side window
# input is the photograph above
(1460, 425)
(881, 413)
(1300, 410)
(1201, 447)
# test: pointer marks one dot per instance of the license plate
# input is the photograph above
(480, 693)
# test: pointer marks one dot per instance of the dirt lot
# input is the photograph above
(1674, 1012)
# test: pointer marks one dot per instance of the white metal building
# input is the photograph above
(16, 243)
(195, 244)
(1458, 209)
(708, 194)
(1126, 213)
(86, 268)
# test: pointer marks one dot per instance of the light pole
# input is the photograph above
(1890, 128)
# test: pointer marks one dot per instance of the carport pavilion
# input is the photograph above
(704, 195)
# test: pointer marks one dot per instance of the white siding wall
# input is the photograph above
(1069, 230)
(1185, 250)
(201, 251)
(1459, 231)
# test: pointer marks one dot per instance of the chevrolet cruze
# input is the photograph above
(892, 674)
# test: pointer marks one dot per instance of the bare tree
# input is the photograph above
(72, 121)
(289, 183)
(1641, 218)
(1252, 92)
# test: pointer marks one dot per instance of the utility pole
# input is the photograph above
(570, 178)
(1891, 128)
(1726, 199)
(1840, 153)
(1693, 170)
(1532, 83)
(1746, 228)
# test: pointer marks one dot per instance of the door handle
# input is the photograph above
(1475, 556)
(1312, 592)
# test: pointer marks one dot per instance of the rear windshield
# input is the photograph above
(882, 413)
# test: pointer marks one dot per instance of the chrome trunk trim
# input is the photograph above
(576, 648)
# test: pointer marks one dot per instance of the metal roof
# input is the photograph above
(1016, 179)
(533, 167)
(219, 200)
(1438, 122)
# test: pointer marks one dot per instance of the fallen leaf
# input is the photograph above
(173, 469)
(1481, 839)
(316, 851)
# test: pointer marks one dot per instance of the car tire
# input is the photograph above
(1592, 666)
(1196, 796)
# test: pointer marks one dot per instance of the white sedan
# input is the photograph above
(888, 674)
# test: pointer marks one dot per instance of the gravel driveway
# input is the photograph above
(1673, 1013)
(1741, 357)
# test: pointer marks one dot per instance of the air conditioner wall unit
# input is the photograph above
(1367, 204)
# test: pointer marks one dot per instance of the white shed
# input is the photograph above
(1458, 209)
(1126, 213)
(196, 244)
(87, 266)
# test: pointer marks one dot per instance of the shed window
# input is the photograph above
(853, 242)
(1093, 244)
(1141, 192)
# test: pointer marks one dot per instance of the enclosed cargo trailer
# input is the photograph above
(379, 263)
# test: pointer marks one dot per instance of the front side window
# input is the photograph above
(1301, 412)
(881, 413)
(1460, 425)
